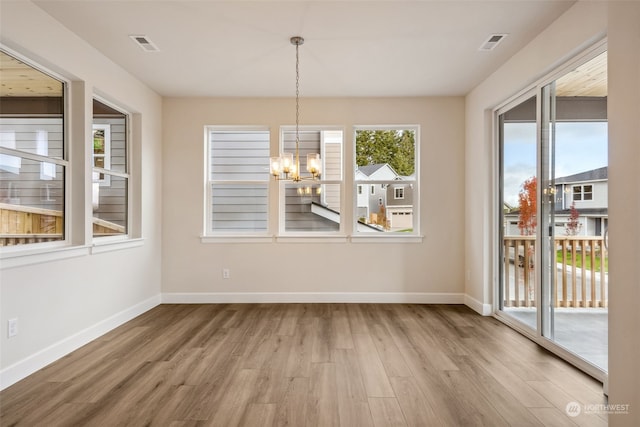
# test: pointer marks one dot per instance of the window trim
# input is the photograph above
(415, 235)
(282, 235)
(208, 234)
(32, 253)
(76, 161)
(128, 119)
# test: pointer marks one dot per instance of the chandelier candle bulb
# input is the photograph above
(313, 164)
(276, 166)
(287, 162)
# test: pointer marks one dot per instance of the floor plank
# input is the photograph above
(386, 412)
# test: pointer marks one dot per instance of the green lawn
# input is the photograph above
(587, 260)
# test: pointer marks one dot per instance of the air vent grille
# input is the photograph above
(144, 43)
(492, 41)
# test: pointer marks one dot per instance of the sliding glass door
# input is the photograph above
(553, 263)
(518, 193)
(574, 210)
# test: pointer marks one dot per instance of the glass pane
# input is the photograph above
(110, 211)
(239, 207)
(41, 136)
(98, 141)
(32, 109)
(31, 201)
(239, 155)
(519, 203)
(388, 157)
(394, 148)
(578, 285)
(306, 208)
(109, 137)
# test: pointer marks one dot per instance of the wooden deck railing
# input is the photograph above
(20, 225)
(580, 276)
(23, 224)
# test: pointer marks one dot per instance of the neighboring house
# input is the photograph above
(588, 191)
(400, 205)
(391, 201)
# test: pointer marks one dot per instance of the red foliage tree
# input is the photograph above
(527, 203)
(573, 226)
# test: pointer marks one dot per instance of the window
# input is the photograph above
(102, 146)
(110, 177)
(237, 199)
(359, 189)
(398, 193)
(577, 192)
(583, 192)
(313, 206)
(33, 158)
(386, 160)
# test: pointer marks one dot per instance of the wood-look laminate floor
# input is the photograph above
(305, 365)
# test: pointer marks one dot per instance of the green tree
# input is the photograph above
(395, 147)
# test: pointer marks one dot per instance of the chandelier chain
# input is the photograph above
(297, 93)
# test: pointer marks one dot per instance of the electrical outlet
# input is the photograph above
(226, 273)
(12, 327)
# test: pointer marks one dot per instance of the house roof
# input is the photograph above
(591, 175)
(369, 170)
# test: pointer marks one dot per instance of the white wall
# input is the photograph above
(584, 23)
(61, 304)
(624, 209)
(430, 267)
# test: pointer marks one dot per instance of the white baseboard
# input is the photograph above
(19, 370)
(313, 297)
(477, 306)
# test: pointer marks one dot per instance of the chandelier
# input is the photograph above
(287, 166)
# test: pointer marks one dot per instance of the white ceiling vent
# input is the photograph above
(492, 42)
(145, 44)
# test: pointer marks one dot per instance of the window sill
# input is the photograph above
(387, 239)
(19, 256)
(22, 256)
(309, 238)
(100, 246)
(237, 238)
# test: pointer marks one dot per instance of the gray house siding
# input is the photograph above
(27, 182)
(239, 163)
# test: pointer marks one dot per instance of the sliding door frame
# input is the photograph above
(536, 88)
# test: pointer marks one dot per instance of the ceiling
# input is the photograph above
(352, 48)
